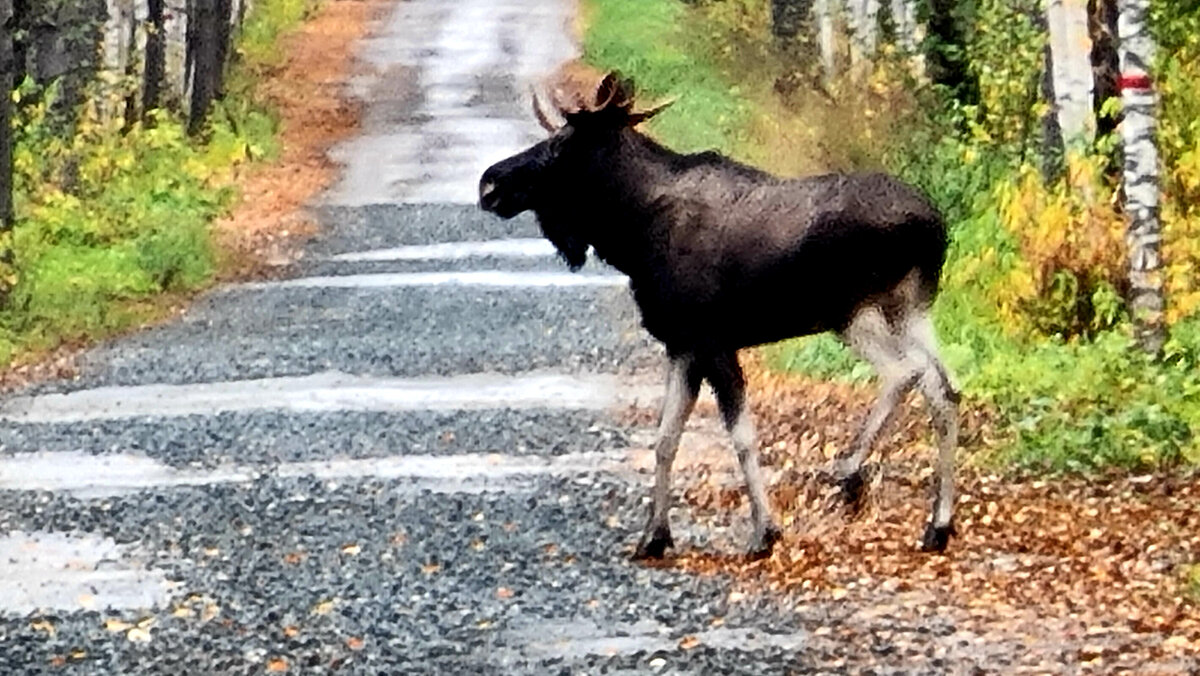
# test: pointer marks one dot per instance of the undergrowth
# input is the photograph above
(110, 217)
(1031, 315)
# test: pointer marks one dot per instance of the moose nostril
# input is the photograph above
(486, 189)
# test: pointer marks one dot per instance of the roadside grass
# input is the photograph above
(112, 223)
(1076, 405)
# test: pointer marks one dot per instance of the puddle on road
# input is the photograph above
(498, 279)
(332, 391)
(452, 251)
(93, 476)
(575, 639)
(44, 571)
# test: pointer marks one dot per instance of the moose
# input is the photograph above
(722, 256)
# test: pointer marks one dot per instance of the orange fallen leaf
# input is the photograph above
(689, 642)
(354, 643)
(291, 631)
(504, 593)
(277, 664)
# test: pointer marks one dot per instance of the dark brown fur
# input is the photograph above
(721, 255)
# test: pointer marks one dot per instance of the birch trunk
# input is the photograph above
(175, 31)
(863, 19)
(1143, 236)
(824, 11)
(115, 55)
(909, 33)
(1071, 50)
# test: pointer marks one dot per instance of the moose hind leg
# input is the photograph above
(683, 384)
(943, 404)
(871, 336)
(726, 377)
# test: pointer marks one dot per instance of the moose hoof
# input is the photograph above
(852, 486)
(766, 544)
(654, 544)
(937, 537)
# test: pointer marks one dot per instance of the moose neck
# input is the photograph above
(623, 188)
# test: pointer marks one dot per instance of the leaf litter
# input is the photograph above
(1104, 565)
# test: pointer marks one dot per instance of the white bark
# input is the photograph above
(1070, 50)
(115, 55)
(863, 19)
(909, 33)
(1143, 236)
(176, 89)
(824, 11)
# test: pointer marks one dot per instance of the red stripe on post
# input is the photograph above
(1135, 81)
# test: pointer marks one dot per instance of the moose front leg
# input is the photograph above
(683, 385)
(726, 377)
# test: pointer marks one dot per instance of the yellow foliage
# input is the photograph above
(1073, 263)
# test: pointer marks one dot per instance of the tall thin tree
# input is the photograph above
(156, 56)
(1144, 236)
(7, 66)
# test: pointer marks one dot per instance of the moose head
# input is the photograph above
(584, 125)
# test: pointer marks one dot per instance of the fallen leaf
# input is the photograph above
(351, 550)
(689, 642)
(43, 626)
(291, 631)
(293, 558)
(138, 635)
(504, 593)
(114, 625)
(431, 568)
(354, 643)
(277, 664)
(323, 608)
(87, 601)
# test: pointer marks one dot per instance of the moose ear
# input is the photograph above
(641, 116)
(607, 90)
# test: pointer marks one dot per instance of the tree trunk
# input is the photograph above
(825, 11)
(1053, 166)
(203, 33)
(789, 18)
(1070, 49)
(20, 13)
(863, 17)
(7, 67)
(1141, 175)
(1106, 64)
(909, 33)
(156, 57)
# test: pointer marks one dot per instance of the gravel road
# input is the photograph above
(360, 469)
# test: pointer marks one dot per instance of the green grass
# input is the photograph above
(650, 41)
(1059, 406)
(111, 219)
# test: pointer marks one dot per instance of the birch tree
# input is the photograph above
(862, 17)
(1139, 103)
(1071, 72)
(824, 11)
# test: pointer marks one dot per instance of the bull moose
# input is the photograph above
(722, 256)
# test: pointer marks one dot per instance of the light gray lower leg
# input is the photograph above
(745, 442)
(873, 338)
(943, 399)
(881, 414)
(677, 406)
(945, 419)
